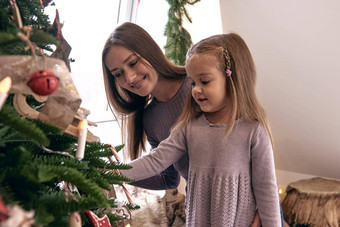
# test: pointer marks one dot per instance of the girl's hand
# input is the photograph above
(257, 221)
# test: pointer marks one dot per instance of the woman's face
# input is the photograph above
(131, 72)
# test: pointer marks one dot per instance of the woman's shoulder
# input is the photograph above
(177, 100)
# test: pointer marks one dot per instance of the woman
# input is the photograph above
(148, 92)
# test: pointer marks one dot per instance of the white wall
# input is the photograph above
(86, 27)
(296, 46)
(206, 19)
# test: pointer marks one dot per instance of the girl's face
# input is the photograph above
(208, 86)
(130, 71)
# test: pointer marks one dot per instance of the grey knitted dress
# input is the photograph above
(227, 180)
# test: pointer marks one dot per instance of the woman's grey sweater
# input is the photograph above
(158, 119)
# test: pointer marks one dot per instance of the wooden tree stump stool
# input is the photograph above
(312, 202)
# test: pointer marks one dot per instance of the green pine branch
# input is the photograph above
(24, 161)
(9, 117)
(33, 16)
(178, 38)
(42, 173)
(119, 147)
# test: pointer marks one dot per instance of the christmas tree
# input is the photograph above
(21, 14)
(42, 178)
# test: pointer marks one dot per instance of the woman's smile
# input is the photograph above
(138, 83)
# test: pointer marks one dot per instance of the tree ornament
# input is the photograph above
(75, 220)
(103, 221)
(5, 86)
(18, 217)
(82, 128)
(4, 213)
(43, 82)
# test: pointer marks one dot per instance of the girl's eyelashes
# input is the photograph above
(204, 82)
(194, 82)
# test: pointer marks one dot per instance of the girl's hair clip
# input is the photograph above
(228, 72)
(227, 62)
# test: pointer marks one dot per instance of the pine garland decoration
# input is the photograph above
(178, 38)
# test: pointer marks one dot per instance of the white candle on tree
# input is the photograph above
(75, 220)
(82, 133)
(5, 85)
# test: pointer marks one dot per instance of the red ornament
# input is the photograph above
(43, 82)
(103, 221)
(4, 213)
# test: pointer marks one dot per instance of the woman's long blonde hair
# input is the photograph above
(240, 86)
(128, 106)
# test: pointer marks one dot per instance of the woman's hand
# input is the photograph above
(257, 221)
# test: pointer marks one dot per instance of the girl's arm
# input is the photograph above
(264, 179)
(168, 179)
(167, 153)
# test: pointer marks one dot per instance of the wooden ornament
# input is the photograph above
(4, 213)
(61, 106)
(103, 221)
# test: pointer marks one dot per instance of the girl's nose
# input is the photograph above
(197, 89)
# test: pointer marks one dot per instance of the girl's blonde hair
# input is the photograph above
(232, 53)
(127, 105)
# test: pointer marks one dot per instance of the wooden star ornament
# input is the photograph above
(4, 213)
(103, 221)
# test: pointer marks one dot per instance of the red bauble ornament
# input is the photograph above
(43, 82)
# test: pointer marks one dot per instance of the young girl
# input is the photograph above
(225, 132)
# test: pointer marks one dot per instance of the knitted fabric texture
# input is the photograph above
(159, 117)
(227, 179)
